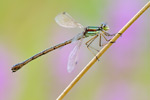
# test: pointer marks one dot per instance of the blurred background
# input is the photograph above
(28, 27)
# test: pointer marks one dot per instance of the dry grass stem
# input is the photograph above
(102, 51)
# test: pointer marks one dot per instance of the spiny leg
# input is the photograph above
(105, 38)
(91, 40)
(107, 35)
(88, 46)
(93, 48)
(93, 52)
(100, 41)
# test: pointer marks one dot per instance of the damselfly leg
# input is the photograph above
(89, 42)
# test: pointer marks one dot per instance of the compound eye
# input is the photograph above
(104, 25)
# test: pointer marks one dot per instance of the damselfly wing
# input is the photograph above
(65, 20)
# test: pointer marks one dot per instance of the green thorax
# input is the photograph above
(92, 30)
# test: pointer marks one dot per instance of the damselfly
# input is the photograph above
(65, 20)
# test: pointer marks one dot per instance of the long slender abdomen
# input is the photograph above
(20, 65)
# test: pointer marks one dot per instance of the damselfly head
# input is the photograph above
(104, 26)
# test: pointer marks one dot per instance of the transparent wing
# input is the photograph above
(72, 60)
(65, 20)
(77, 37)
